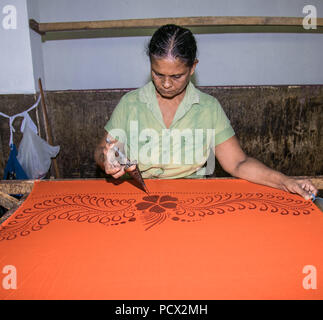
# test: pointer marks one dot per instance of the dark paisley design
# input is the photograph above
(152, 210)
(194, 209)
(85, 208)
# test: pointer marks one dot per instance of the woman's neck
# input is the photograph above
(171, 101)
(169, 106)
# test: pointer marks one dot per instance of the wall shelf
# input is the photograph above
(145, 27)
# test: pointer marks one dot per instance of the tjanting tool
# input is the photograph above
(124, 161)
(318, 202)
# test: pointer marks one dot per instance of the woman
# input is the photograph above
(152, 121)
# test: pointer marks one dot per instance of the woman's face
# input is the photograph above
(170, 76)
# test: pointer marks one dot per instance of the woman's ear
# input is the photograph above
(194, 66)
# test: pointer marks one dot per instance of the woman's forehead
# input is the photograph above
(168, 65)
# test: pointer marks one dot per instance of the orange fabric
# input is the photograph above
(191, 239)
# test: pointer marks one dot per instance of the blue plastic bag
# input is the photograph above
(13, 169)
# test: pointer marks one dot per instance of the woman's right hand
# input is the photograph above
(111, 164)
(105, 156)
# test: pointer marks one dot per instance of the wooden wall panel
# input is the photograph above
(279, 125)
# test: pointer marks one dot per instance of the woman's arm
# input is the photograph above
(234, 161)
(105, 158)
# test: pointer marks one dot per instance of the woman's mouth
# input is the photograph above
(166, 92)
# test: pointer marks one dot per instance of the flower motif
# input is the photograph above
(157, 204)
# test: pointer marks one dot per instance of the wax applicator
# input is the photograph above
(317, 201)
(124, 161)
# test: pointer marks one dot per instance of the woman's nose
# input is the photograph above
(167, 83)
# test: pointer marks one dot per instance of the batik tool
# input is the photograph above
(124, 161)
(317, 201)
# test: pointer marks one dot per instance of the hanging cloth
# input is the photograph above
(13, 169)
(21, 114)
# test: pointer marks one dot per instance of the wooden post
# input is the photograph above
(2, 160)
(37, 117)
(49, 136)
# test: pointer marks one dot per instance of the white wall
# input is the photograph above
(36, 45)
(260, 59)
(78, 10)
(225, 59)
(16, 67)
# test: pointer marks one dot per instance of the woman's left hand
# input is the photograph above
(303, 187)
(233, 160)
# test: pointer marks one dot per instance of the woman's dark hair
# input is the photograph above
(175, 41)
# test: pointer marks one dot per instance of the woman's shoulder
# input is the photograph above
(136, 95)
(130, 96)
(206, 99)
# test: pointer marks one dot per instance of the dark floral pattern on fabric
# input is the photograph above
(157, 204)
(154, 209)
(115, 210)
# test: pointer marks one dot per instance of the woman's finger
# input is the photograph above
(304, 188)
(120, 173)
(132, 168)
(308, 186)
(305, 194)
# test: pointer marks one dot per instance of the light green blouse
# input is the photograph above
(175, 152)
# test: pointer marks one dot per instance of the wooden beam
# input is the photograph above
(34, 25)
(7, 201)
(26, 186)
(13, 210)
(207, 21)
(16, 186)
